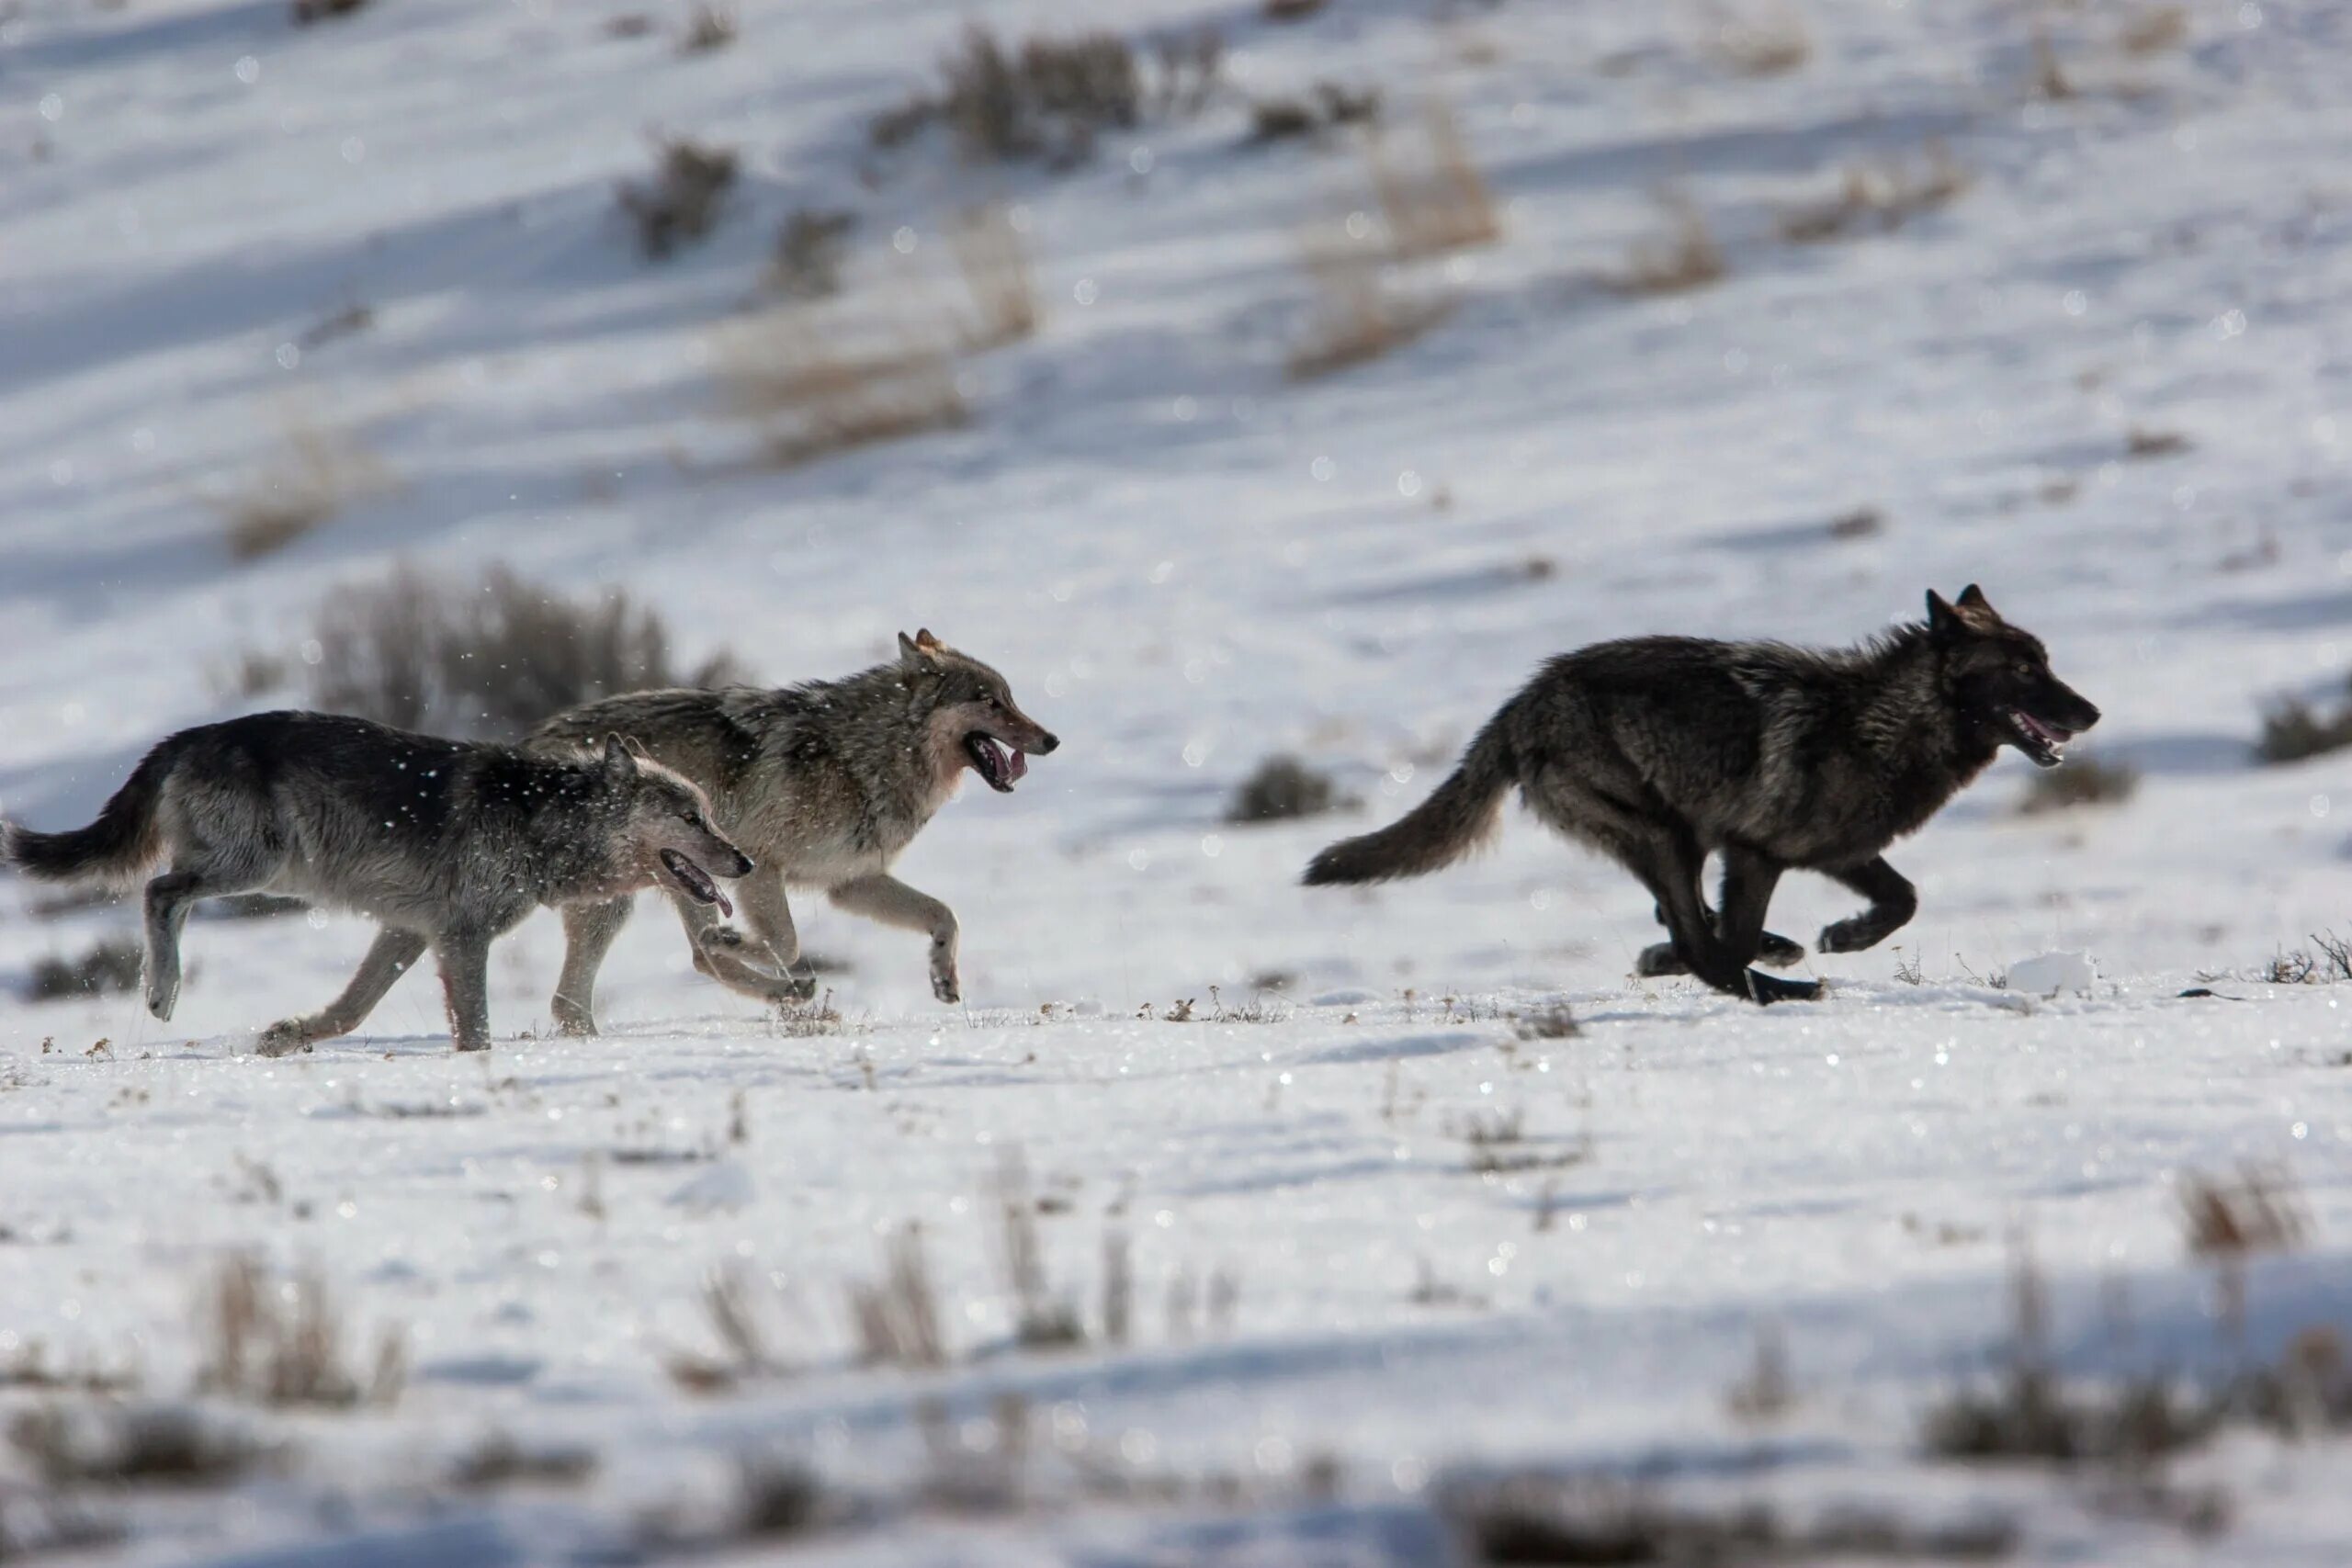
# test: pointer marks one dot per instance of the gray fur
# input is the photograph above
(824, 784)
(449, 845)
(1659, 751)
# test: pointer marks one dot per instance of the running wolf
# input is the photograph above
(448, 845)
(825, 783)
(1657, 751)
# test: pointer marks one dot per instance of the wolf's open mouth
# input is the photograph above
(994, 762)
(2044, 742)
(695, 881)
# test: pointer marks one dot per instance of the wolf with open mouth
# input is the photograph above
(823, 784)
(1660, 751)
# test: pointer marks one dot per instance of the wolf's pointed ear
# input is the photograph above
(1972, 598)
(1942, 619)
(919, 651)
(929, 644)
(620, 763)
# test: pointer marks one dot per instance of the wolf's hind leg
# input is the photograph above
(464, 957)
(1774, 950)
(588, 933)
(892, 902)
(1716, 948)
(389, 958)
(168, 899)
(1892, 903)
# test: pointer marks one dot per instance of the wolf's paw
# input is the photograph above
(482, 1044)
(1777, 952)
(797, 987)
(944, 986)
(1659, 959)
(1766, 989)
(1851, 935)
(575, 1025)
(284, 1037)
(719, 939)
(162, 996)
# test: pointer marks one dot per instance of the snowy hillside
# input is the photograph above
(2054, 300)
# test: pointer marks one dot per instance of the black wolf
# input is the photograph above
(447, 845)
(1657, 751)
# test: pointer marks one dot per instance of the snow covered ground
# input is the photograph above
(1185, 561)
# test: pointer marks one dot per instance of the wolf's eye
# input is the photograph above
(2022, 668)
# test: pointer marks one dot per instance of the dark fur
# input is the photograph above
(448, 845)
(1659, 751)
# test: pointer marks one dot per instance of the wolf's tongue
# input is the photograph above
(1016, 765)
(724, 906)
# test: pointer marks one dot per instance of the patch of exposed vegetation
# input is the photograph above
(111, 965)
(1682, 256)
(488, 659)
(2293, 730)
(1050, 99)
(2082, 781)
(681, 202)
(1283, 788)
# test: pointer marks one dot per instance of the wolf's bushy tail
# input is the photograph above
(1451, 823)
(124, 841)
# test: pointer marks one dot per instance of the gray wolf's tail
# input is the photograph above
(124, 841)
(1441, 829)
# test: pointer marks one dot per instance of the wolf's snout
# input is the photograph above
(1046, 742)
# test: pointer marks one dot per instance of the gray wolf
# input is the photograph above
(1658, 750)
(448, 845)
(823, 784)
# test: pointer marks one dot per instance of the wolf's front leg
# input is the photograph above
(769, 914)
(588, 933)
(1892, 903)
(389, 957)
(892, 902)
(464, 958)
(734, 960)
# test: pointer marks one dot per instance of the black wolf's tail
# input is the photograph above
(1441, 829)
(124, 841)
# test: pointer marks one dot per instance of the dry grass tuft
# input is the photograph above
(1553, 1022)
(897, 1319)
(487, 659)
(1282, 788)
(1051, 98)
(1360, 311)
(1328, 107)
(278, 1345)
(2261, 1210)
(1683, 257)
(498, 1461)
(1878, 195)
(813, 395)
(708, 28)
(2159, 30)
(2083, 780)
(1043, 1320)
(129, 1445)
(681, 202)
(991, 254)
(1433, 198)
(305, 12)
(807, 263)
(1544, 1518)
(113, 964)
(317, 475)
(2142, 443)
(1766, 40)
(1289, 10)
(2293, 730)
